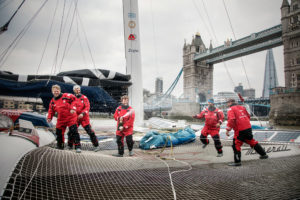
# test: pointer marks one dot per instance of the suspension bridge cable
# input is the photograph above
(5, 26)
(47, 40)
(64, 53)
(5, 54)
(170, 90)
(244, 68)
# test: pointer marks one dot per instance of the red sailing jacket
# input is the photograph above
(82, 104)
(211, 117)
(238, 118)
(62, 105)
(128, 120)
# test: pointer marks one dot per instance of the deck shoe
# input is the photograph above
(97, 149)
(235, 164)
(220, 155)
(117, 155)
(264, 157)
(78, 150)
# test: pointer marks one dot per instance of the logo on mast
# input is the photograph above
(131, 15)
(131, 24)
(131, 37)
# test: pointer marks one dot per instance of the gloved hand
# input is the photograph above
(195, 116)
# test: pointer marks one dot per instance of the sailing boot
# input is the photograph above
(237, 159)
(258, 148)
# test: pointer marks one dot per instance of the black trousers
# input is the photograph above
(120, 142)
(216, 139)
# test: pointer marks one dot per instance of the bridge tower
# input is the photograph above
(285, 106)
(270, 79)
(290, 20)
(197, 76)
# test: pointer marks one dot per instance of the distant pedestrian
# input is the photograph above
(124, 115)
(64, 105)
(213, 119)
(239, 121)
(82, 104)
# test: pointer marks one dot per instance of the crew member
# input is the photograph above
(239, 121)
(64, 105)
(213, 119)
(83, 107)
(124, 115)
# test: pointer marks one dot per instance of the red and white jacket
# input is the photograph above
(238, 118)
(128, 115)
(82, 104)
(211, 117)
(62, 105)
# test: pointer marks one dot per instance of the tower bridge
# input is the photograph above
(198, 64)
(253, 43)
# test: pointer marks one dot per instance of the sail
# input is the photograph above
(133, 57)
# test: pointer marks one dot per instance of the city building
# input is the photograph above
(159, 86)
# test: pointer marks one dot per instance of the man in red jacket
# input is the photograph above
(64, 105)
(124, 115)
(82, 104)
(213, 119)
(239, 121)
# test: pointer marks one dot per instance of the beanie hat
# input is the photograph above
(210, 101)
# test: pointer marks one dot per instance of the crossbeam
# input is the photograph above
(253, 43)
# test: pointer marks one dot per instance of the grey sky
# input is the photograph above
(164, 25)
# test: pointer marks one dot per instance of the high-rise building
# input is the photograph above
(239, 89)
(270, 78)
(158, 86)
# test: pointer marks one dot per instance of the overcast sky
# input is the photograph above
(164, 25)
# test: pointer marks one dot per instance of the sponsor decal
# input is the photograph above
(131, 37)
(270, 149)
(131, 15)
(133, 50)
(131, 24)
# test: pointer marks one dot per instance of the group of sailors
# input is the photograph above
(238, 119)
(73, 110)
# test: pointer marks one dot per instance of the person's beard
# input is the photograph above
(211, 107)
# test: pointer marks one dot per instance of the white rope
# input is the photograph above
(170, 173)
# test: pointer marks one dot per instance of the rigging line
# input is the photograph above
(64, 53)
(86, 40)
(198, 11)
(9, 2)
(80, 43)
(5, 54)
(5, 26)
(67, 17)
(53, 69)
(46, 43)
(74, 38)
(235, 39)
(213, 31)
(209, 22)
(154, 40)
